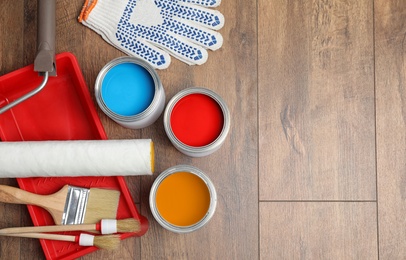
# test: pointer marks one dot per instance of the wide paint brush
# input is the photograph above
(105, 226)
(70, 205)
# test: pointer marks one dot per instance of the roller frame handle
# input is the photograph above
(45, 57)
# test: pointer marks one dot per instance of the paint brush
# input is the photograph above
(104, 242)
(105, 226)
(70, 205)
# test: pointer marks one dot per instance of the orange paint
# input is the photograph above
(182, 199)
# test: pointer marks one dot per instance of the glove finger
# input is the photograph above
(204, 17)
(138, 48)
(158, 58)
(204, 37)
(160, 36)
(165, 43)
(208, 3)
(177, 46)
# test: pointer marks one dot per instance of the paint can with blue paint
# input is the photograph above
(129, 91)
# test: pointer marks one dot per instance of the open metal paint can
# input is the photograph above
(129, 91)
(197, 121)
(182, 199)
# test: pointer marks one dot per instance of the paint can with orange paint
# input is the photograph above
(183, 199)
(197, 121)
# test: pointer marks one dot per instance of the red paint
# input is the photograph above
(197, 120)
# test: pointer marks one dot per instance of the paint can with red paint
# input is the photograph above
(197, 121)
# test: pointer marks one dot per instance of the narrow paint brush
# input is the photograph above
(109, 242)
(70, 205)
(105, 226)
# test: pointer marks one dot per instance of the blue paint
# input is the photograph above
(127, 89)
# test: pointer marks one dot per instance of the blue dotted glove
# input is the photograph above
(153, 29)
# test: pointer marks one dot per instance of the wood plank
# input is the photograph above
(316, 99)
(11, 58)
(318, 230)
(390, 31)
(232, 233)
(11, 29)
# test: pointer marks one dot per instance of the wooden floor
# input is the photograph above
(314, 166)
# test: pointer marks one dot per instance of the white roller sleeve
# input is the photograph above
(76, 158)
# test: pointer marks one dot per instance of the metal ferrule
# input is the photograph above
(75, 206)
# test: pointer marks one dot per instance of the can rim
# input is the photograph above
(197, 150)
(183, 229)
(157, 84)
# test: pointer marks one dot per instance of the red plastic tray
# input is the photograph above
(63, 110)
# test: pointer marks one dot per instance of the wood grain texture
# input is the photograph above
(11, 29)
(390, 57)
(11, 58)
(231, 72)
(303, 174)
(316, 99)
(318, 230)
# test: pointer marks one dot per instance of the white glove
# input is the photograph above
(151, 29)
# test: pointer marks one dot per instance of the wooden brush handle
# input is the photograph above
(44, 236)
(53, 203)
(13, 195)
(54, 228)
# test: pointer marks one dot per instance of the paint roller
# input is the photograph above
(127, 157)
(44, 62)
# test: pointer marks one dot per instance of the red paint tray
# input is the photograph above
(63, 110)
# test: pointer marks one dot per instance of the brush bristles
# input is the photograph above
(128, 225)
(109, 242)
(101, 204)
